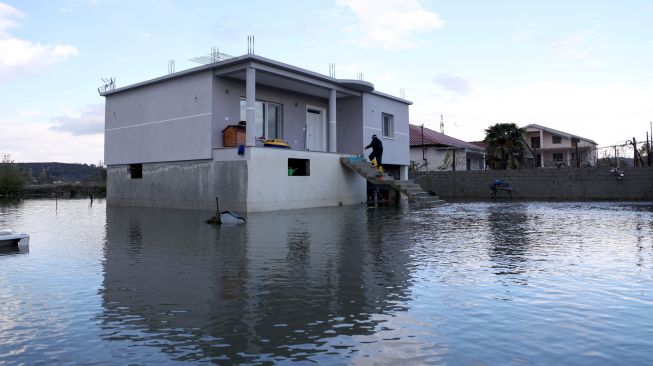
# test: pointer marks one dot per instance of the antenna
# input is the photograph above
(359, 76)
(250, 45)
(109, 84)
(441, 124)
(402, 93)
(171, 66)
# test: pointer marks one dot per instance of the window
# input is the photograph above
(557, 157)
(535, 142)
(388, 125)
(269, 119)
(136, 171)
(299, 167)
(556, 139)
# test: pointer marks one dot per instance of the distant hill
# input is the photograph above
(48, 173)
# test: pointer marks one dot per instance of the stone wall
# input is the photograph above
(563, 184)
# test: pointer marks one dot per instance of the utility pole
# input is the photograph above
(441, 124)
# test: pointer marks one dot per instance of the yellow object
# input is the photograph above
(374, 164)
(381, 169)
(276, 143)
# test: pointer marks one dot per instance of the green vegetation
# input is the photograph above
(49, 173)
(505, 146)
(12, 180)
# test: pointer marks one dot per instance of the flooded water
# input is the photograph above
(497, 283)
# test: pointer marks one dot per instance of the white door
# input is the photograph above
(315, 133)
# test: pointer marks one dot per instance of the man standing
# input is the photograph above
(377, 151)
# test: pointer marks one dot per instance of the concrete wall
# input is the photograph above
(185, 185)
(350, 125)
(329, 184)
(395, 150)
(566, 184)
(258, 181)
(166, 121)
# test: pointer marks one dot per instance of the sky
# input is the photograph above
(583, 67)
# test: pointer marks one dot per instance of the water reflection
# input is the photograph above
(281, 287)
(509, 235)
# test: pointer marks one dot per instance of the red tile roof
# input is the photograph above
(436, 138)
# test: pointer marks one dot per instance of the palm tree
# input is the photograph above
(505, 146)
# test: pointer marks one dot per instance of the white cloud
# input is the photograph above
(606, 113)
(454, 83)
(574, 46)
(21, 56)
(88, 121)
(37, 142)
(390, 24)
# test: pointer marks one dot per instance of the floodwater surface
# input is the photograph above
(498, 283)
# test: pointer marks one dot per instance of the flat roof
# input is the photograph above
(241, 62)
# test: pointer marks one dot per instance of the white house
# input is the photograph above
(553, 148)
(165, 143)
(435, 151)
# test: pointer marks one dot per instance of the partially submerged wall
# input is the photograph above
(185, 185)
(563, 184)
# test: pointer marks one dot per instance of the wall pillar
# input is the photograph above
(332, 121)
(250, 106)
(403, 172)
(541, 146)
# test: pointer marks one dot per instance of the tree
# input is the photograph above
(505, 146)
(11, 179)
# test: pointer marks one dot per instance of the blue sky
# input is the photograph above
(578, 66)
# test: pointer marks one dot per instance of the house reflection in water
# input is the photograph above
(281, 287)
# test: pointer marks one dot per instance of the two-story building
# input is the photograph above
(553, 148)
(165, 142)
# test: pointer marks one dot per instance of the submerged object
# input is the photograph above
(225, 217)
(276, 143)
(9, 238)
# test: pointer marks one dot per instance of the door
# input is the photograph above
(315, 129)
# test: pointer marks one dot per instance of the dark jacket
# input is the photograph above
(376, 145)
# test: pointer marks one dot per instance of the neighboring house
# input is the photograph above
(435, 151)
(553, 148)
(164, 138)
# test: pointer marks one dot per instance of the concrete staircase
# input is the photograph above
(413, 191)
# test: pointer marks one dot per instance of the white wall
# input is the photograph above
(165, 121)
(436, 156)
(395, 150)
(329, 184)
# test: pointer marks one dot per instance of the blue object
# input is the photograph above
(241, 149)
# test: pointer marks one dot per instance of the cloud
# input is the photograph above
(573, 46)
(21, 56)
(608, 113)
(454, 83)
(37, 142)
(89, 121)
(390, 24)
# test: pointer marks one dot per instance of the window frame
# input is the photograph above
(556, 137)
(387, 131)
(264, 119)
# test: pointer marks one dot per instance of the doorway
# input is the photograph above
(315, 129)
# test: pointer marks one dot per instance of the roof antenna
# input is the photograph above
(441, 124)
(109, 84)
